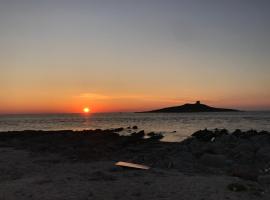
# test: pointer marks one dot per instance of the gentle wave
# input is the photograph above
(175, 126)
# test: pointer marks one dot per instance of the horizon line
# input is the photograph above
(87, 114)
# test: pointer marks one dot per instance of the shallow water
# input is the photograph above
(183, 123)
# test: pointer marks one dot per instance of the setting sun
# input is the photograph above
(86, 110)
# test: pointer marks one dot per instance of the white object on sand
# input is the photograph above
(131, 165)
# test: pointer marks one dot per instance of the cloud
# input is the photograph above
(138, 97)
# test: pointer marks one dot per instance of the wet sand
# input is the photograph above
(80, 165)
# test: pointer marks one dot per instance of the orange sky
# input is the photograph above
(43, 102)
(112, 57)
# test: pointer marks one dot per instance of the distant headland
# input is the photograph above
(187, 108)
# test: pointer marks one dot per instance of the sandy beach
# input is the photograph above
(81, 165)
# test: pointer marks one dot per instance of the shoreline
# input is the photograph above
(217, 163)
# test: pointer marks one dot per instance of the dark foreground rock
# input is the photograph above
(242, 154)
(237, 162)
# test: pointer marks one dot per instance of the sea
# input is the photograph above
(174, 126)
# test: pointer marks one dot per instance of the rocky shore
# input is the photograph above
(80, 165)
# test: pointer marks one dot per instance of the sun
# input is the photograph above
(86, 110)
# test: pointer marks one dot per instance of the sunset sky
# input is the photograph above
(133, 55)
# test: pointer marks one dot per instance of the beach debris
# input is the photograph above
(131, 165)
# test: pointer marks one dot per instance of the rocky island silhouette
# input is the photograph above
(196, 107)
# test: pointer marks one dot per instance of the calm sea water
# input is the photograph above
(167, 123)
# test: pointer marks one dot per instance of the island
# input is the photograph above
(187, 108)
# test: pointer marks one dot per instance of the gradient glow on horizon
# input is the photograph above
(124, 55)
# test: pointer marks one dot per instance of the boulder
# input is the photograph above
(237, 133)
(263, 154)
(246, 147)
(203, 135)
(264, 179)
(214, 148)
(118, 129)
(207, 135)
(155, 136)
(140, 134)
(261, 140)
(213, 160)
(237, 187)
(196, 147)
(244, 172)
(243, 153)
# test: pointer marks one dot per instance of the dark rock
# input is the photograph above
(207, 135)
(264, 179)
(245, 172)
(206, 151)
(203, 135)
(140, 134)
(237, 187)
(255, 189)
(212, 148)
(261, 140)
(155, 136)
(99, 175)
(115, 169)
(118, 129)
(263, 154)
(251, 133)
(221, 132)
(246, 147)
(211, 160)
(247, 135)
(135, 127)
(237, 133)
(196, 147)
(227, 139)
(244, 153)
